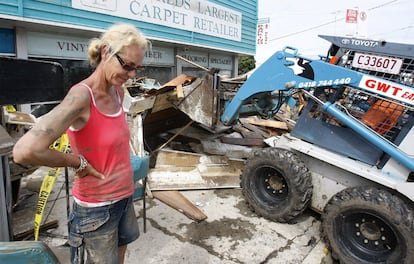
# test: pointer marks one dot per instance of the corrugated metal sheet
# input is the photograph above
(61, 11)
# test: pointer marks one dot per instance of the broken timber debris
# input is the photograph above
(179, 202)
(176, 170)
(202, 154)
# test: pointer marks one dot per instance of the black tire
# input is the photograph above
(369, 225)
(276, 184)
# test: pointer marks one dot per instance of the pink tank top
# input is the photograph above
(104, 142)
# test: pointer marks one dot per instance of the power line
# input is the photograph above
(328, 23)
(393, 31)
(305, 30)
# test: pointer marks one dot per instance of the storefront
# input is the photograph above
(209, 34)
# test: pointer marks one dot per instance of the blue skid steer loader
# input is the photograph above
(349, 155)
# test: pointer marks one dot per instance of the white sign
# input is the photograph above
(208, 60)
(159, 56)
(262, 37)
(198, 16)
(392, 90)
(199, 58)
(223, 62)
(57, 46)
(377, 63)
(65, 47)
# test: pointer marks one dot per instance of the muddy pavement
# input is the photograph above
(230, 234)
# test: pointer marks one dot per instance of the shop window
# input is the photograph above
(200, 73)
(7, 41)
(197, 72)
(161, 75)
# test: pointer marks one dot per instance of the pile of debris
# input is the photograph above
(189, 147)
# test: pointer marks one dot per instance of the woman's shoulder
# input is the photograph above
(78, 94)
(80, 89)
(82, 86)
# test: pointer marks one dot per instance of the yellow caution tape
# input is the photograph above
(61, 145)
(10, 108)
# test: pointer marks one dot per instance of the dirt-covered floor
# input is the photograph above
(232, 233)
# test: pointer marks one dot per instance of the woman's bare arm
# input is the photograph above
(33, 147)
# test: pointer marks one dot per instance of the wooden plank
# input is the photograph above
(180, 91)
(188, 159)
(179, 80)
(268, 123)
(247, 133)
(289, 122)
(182, 79)
(179, 202)
(178, 170)
(163, 101)
(187, 178)
(228, 150)
(23, 235)
(20, 118)
(174, 136)
(243, 141)
(194, 132)
(246, 124)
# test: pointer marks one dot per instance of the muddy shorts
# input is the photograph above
(96, 233)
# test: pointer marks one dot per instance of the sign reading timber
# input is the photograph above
(193, 15)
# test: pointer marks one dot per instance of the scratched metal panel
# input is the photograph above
(200, 102)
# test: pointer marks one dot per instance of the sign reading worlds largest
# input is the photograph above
(193, 15)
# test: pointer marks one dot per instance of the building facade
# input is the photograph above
(207, 34)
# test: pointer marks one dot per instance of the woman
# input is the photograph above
(102, 221)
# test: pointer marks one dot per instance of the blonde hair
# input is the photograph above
(116, 38)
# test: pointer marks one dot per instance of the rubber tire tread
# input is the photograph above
(295, 173)
(394, 209)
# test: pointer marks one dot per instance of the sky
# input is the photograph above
(297, 23)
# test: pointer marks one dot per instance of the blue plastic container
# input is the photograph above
(23, 252)
(140, 166)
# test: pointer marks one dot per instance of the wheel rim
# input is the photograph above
(272, 184)
(366, 235)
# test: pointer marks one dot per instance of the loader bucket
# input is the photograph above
(198, 100)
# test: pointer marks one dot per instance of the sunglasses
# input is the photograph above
(127, 67)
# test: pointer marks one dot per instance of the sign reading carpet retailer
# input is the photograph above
(198, 16)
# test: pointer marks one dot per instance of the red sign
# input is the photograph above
(351, 16)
